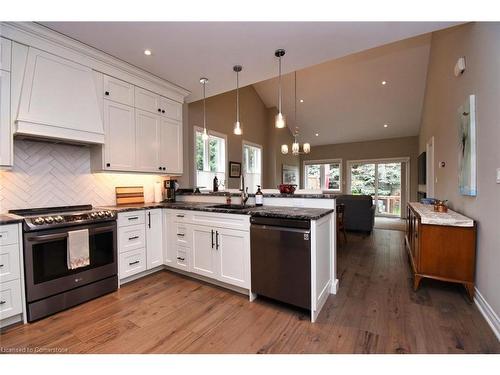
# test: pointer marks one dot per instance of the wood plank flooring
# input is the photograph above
(375, 311)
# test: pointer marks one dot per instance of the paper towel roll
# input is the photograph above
(158, 192)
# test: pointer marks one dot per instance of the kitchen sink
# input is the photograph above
(232, 206)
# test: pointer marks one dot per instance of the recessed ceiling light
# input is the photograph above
(317, 134)
(302, 100)
(147, 52)
(384, 83)
(386, 125)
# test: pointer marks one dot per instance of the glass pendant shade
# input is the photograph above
(284, 149)
(237, 128)
(295, 148)
(306, 147)
(280, 121)
(204, 136)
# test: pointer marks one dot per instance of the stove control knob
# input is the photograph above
(49, 219)
(38, 221)
(109, 213)
(93, 215)
(58, 219)
(101, 213)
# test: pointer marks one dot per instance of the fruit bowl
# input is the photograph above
(287, 188)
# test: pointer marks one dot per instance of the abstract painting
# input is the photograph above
(467, 169)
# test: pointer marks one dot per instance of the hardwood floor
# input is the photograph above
(375, 311)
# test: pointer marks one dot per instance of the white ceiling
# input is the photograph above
(345, 101)
(185, 51)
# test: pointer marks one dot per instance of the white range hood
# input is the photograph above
(58, 98)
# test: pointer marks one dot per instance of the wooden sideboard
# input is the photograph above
(441, 247)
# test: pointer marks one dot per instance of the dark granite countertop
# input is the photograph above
(267, 211)
(10, 219)
(276, 195)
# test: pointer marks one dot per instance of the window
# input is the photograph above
(210, 159)
(252, 166)
(323, 175)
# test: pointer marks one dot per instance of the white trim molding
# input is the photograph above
(488, 313)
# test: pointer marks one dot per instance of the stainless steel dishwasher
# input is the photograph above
(281, 259)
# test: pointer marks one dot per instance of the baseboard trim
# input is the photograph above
(488, 313)
(334, 287)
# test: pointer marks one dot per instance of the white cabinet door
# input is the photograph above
(169, 244)
(119, 130)
(5, 129)
(5, 54)
(146, 145)
(233, 250)
(154, 242)
(118, 91)
(170, 133)
(147, 100)
(170, 109)
(204, 260)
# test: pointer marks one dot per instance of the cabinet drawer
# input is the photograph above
(118, 91)
(171, 109)
(147, 101)
(131, 237)
(9, 234)
(182, 234)
(181, 259)
(10, 299)
(132, 262)
(9, 263)
(182, 216)
(131, 218)
(227, 221)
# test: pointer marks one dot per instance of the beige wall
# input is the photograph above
(379, 149)
(479, 43)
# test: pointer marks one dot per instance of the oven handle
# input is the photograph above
(56, 236)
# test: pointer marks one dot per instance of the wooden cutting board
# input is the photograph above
(129, 194)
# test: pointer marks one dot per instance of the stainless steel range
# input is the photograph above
(50, 285)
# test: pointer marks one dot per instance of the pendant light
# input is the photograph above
(204, 136)
(280, 122)
(306, 147)
(237, 124)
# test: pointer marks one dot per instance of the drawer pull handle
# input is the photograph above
(181, 234)
(1, 235)
(1, 265)
(182, 259)
(134, 218)
(131, 264)
(133, 238)
(179, 215)
(2, 302)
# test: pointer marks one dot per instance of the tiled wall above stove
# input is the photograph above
(49, 174)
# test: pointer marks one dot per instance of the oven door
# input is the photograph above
(45, 257)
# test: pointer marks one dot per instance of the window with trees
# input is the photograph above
(323, 175)
(210, 160)
(252, 166)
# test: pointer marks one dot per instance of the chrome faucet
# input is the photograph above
(244, 191)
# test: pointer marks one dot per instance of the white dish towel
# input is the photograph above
(78, 249)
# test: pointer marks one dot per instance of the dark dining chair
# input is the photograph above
(340, 221)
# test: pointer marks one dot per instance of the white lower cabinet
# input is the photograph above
(211, 251)
(154, 242)
(132, 262)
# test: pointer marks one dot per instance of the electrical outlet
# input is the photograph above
(498, 175)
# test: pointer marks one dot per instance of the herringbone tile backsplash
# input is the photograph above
(48, 174)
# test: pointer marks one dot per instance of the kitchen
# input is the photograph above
(50, 125)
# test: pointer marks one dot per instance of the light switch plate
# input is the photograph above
(498, 175)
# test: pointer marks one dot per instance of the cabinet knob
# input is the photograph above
(162, 111)
(106, 93)
(159, 168)
(164, 168)
(159, 109)
(108, 165)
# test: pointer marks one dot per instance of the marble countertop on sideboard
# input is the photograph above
(450, 218)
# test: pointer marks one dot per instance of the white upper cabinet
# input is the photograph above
(171, 109)
(147, 100)
(5, 54)
(146, 141)
(118, 91)
(170, 133)
(119, 149)
(58, 100)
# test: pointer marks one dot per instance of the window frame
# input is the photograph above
(256, 145)
(305, 163)
(215, 134)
